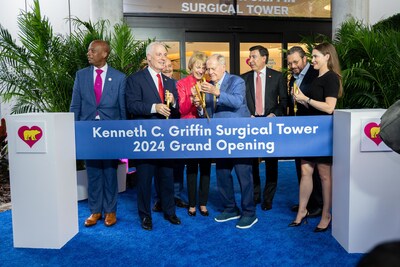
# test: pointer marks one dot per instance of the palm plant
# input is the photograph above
(39, 74)
(370, 60)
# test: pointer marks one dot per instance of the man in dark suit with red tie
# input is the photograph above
(99, 94)
(145, 99)
(266, 95)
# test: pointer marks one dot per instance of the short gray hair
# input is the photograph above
(151, 45)
(220, 58)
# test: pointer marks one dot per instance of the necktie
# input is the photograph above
(215, 98)
(160, 88)
(259, 99)
(98, 84)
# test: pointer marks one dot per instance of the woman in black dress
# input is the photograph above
(321, 100)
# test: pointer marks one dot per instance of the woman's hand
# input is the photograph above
(300, 98)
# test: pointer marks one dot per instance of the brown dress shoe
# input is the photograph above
(92, 220)
(111, 219)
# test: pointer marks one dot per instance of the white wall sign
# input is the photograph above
(270, 8)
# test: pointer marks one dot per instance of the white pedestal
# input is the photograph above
(42, 164)
(366, 186)
(82, 181)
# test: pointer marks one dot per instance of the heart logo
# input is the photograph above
(371, 130)
(30, 135)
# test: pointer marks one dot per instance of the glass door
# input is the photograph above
(235, 48)
(209, 43)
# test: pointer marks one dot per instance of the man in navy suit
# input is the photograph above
(108, 104)
(145, 99)
(304, 74)
(229, 93)
(273, 102)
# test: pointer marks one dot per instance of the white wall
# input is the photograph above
(369, 11)
(382, 9)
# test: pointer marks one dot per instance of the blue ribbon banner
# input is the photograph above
(199, 138)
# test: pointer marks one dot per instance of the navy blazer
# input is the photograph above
(112, 102)
(142, 93)
(275, 100)
(231, 102)
(305, 87)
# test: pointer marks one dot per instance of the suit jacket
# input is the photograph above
(112, 102)
(305, 87)
(232, 100)
(142, 93)
(275, 100)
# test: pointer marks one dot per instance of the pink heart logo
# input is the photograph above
(371, 130)
(30, 135)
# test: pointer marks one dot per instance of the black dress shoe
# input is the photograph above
(266, 206)
(294, 223)
(192, 213)
(180, 203)
(147, 223)
(204, 212)
(315, 213)
(295, 208)
(157, 206)
(317, 229)
(172, 219)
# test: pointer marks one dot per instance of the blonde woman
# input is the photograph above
(189, 110)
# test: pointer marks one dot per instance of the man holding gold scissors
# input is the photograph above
(302, 75)
(147, 93)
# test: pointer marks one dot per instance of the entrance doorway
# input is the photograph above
(234, 46)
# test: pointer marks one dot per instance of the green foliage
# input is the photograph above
(127, 55)
(39, 74)
(370, 60)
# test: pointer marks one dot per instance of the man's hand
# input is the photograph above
(210, 89)
(163, 109)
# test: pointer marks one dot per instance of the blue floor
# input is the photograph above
(199, 241)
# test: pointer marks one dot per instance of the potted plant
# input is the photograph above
(38, 75)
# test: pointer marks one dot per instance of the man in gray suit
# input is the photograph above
(99, 94)
(229, 94)
(273, 102)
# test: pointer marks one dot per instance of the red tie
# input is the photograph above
(98, 84)
(259, 99)
(160, 88)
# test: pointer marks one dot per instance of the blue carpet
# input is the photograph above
(199, 241)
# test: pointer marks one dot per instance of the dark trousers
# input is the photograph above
(162, 171)
(243, 170)
(193, 166)
(102, 185)
(315, 200)
(179, 168)
(271, 179)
